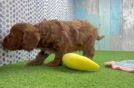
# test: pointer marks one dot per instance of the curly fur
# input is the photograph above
(53, 36)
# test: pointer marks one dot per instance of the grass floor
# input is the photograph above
(22, 76)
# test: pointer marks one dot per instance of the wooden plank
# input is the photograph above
(116, 24)
(116, 16)
(87, 10)
(128, 25)
(104, 10)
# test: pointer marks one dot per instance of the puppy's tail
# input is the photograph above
(100, 37)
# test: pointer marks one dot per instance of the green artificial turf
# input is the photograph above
(22, 76)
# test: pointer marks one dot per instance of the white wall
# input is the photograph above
(128, 25)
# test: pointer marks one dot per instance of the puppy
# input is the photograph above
(53, 36)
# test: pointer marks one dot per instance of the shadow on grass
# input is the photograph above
(22, 67)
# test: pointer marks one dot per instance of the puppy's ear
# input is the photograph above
(30, 40)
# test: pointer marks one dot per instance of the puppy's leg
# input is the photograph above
(57, 61)
(89, 52)
(89, 49)
(39, 59)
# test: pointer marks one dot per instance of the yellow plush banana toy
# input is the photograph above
(78, 62)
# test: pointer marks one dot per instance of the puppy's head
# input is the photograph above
(22, 36)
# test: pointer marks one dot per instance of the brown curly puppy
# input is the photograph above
(53, 36)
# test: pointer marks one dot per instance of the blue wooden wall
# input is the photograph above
(108, 19)
(116, 17)
(81, 13)
(104, 13)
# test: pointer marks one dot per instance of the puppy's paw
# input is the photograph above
(53, 64)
